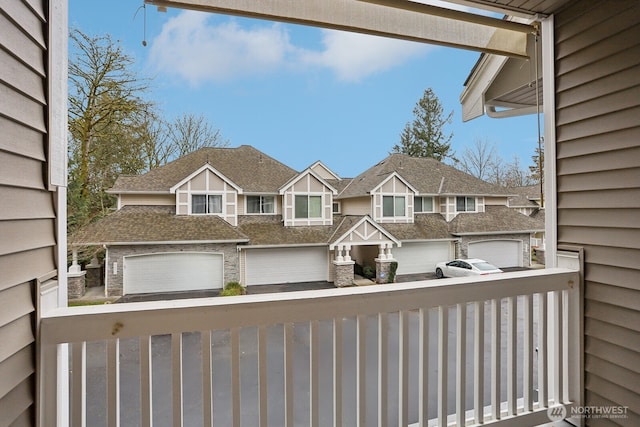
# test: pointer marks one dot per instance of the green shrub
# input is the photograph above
(392, 271)
(232, 289)
(368, 272)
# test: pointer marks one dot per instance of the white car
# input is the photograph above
(465, 267)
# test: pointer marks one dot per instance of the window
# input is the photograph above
(465, 204)
(336, 207)
(423, 204)
(260, 204)
(308, 207)
(206, 203)
(393, 206)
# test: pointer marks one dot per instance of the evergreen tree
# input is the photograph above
(425, 136)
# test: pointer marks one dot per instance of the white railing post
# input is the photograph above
(53, 381)
(573, 333)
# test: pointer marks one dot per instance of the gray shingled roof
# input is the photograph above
(524, 196)
(250, 169)
(268, 230)
(139, 224)
(424, 227)
(495, 219)
(426, 175)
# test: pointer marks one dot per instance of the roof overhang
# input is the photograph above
(389, 18)
(497, 233)
(501, 86)
(158, 242)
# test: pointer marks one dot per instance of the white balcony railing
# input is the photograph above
(499, 349)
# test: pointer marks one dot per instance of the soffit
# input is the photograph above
(516, 7)
(503, 87)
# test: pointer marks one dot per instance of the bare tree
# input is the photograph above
(514, 175)
(190, 132)
(481, 160)
(105, 96)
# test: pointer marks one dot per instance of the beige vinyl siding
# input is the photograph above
(495, 201)
(598, 172)
(147, 200)
(356, 206)
(27, 212)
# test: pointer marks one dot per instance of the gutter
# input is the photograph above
(496, 233)
(286, 245)
(159, 242)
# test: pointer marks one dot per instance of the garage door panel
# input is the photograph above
(172, 272)
(415, 258)
(501, 253)
(286, 265)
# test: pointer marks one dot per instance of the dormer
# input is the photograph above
(207, 192)
(453, 205)
(324, 172)
(307, 200)
(392, 200)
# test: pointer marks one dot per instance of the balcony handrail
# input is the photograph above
(559, 296)
(164, 317)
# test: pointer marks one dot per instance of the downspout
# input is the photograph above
(549, 107)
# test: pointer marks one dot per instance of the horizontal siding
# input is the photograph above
(24, 110)
(624, 277)
(15, 336)
(601, 236)
(20, 236)
(601, 180)
(16, 75)
(19, 303)
(603, 125)
(23, 266)
(613, 257)
(20, 171)
(25, 203)
(24, 43)
(598, 183)
(618, 198)
(18, 139)
(16, 369)
(598, 218)
(27, 212)
(15, 404)
(598, 400)
(613, 334)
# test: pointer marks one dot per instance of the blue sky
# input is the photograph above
(299, 94)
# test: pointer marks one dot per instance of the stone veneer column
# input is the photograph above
(383, 266)
(343, 273)
(76, 284)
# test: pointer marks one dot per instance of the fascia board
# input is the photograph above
(210, 168)
(394, 174)
(301, 175)
(372, 223)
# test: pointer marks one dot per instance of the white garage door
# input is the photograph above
(287, 265)
(414, 258)
(502, 253)
(170, 272)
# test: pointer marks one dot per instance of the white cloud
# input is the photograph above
(190, 47)
(197, 50)
(354, 56)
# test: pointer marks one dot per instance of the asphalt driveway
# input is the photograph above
(266, 289)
